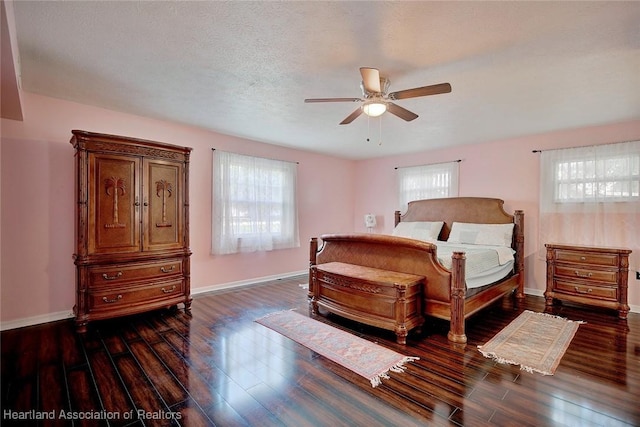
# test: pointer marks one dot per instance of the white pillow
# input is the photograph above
(427, 231)
(481, 234)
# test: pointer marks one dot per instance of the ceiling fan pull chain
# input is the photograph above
(380, 135)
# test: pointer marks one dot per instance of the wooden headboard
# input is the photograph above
(479, 210)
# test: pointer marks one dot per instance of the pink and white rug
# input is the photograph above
(363, 357)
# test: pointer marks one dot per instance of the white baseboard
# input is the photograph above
(35, 320)
(536, 292)
(242, 283)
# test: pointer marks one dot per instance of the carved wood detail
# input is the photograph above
(163, 190)
(131, 149)
(113, 187)
(348, 283)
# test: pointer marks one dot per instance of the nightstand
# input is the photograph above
(588, 275)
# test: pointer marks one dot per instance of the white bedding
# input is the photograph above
(484, 264)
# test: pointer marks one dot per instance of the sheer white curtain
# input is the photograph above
(254, 204)
(427, 182)
(591, 196)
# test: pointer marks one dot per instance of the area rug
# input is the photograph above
(535, 341)
(363, 357)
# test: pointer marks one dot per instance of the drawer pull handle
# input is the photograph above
(588, 291)
(108, 301)
(173, 288)
(583, 258)
(105, 276)
(583, 274)
(168, 270)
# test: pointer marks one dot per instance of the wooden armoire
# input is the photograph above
(132, 226)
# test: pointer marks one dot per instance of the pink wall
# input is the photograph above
(503, 169)
(37, 271)
(37, 203)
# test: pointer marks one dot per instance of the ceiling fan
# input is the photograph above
(376, 100)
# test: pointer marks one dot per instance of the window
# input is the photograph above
(596, 176)
(254, 204)
(590, 195)
(427, 182)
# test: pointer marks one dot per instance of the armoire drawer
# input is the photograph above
(113, 274)
(128, 296)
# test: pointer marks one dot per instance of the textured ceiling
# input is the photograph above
(244, 68)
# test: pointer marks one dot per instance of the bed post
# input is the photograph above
(458, 291)
(313, 250)
(519, 234)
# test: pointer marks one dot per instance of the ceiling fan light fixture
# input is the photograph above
(374, 108)
(376, 99)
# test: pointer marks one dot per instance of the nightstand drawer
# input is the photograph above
(575, 272)
(580, 289)
(582, 257)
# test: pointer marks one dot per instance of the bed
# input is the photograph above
(353, 275)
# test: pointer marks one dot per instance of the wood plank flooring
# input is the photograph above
(219, 367)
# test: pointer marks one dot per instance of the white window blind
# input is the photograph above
(427, 182)
(254, 204)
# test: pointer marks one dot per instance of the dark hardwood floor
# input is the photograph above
(219, 367)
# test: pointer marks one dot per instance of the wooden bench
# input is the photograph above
(381, 298)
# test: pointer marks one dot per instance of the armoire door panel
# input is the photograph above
(163, 208)
(114, 212)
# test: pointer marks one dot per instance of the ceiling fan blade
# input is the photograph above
(351, 117)
(403, 113)
(421, 91)
(333, 100)
(370, 79)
